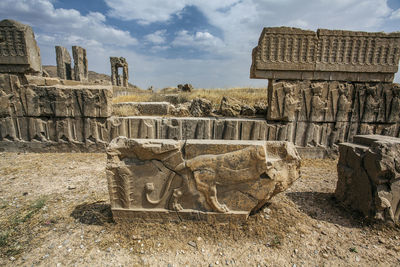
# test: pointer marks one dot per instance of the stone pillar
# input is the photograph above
(19, 52)
(63, 63)
(80, 64)
(119, 62)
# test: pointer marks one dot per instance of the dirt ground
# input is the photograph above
(54, 212)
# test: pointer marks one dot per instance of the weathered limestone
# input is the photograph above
(116, 79)
(19, 52)
(146, 108)
(182, 128)
(80, 64)
(63, 58)
(75, 115)
(329, 55)
(369, 176)
(168, 180)
(323, 114)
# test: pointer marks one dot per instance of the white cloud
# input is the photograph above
(149, 11)
(157, 37)
(65, 23)
(200, 40)
(395, 14)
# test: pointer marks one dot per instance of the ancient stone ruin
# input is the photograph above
(81, 72)
(325, 87)
(369, 176)
(116, 79)
(19, 52)
(40, 113)
(64, 70)
(169, 180)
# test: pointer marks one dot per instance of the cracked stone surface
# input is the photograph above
(163, 179)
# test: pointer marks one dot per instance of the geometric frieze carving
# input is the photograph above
(169, 180)
(116, 79)
(296, 54)
(19, 52)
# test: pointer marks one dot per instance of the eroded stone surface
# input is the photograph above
(19, 52)
(80, 64)
(116, 79)
(369, 176)
(196, 178)
(296, 54)
(311, 113)
(64, 70)
(64, 114)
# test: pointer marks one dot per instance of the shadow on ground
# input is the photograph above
(97, 213)
(325, 207)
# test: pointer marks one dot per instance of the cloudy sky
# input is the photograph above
(204, 42)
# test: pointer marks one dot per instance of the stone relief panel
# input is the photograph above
(195, 179)
(19, 52)
(296, 54)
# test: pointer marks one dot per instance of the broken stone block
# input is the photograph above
(19, 52)
(369, 176)
(230, 107)
(80, 64)
(168, 180)
(200, 107)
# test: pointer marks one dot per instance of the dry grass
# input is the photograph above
(249, 96)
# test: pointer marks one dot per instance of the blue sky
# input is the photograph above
(204, 42)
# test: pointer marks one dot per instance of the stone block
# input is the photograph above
(369, 176)
(329, 55)
(147, 108)
(170, 180)
(51, 81)
(19, 52)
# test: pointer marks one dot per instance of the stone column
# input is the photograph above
(63, 63)
(80, 64)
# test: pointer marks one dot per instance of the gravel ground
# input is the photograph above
(54, 211)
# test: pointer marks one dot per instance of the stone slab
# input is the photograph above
(196, 179)
(296, 54)
(147, 108)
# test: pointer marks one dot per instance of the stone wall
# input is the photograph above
(51, 115)
(311, 113)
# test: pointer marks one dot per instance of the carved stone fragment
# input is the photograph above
(196, 179)
(369, 176)
(19, 52)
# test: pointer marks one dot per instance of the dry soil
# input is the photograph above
(54, 211)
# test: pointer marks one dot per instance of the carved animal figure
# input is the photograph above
(210, 171)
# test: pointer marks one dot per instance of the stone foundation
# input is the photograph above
(369, 176)
(219, 180)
